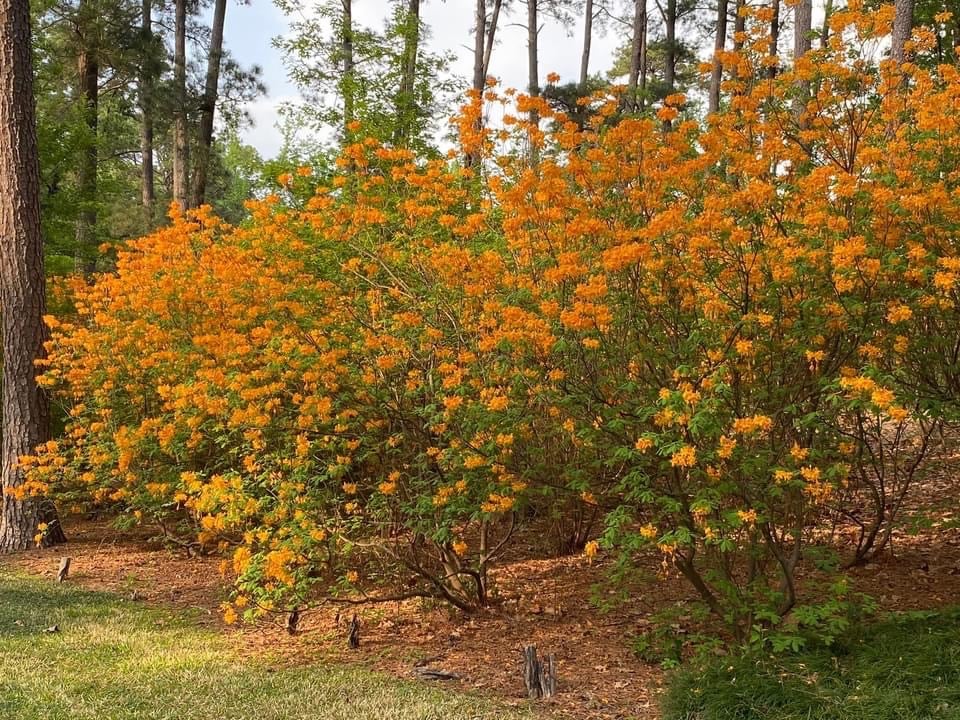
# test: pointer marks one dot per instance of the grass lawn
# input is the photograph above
(114, 660)
(906, 667)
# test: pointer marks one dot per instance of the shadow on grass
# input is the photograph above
(906, 667)
(113, 660)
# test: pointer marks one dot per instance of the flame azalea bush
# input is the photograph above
(721, 335)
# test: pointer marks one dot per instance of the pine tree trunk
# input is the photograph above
(181, 146)
(346, 51)
(670, 72)
(802, 26)
(24, 406)
(88, 70)
(491, 35)
(533, 69)
(209, 106)
(774, 39)
(639, 34)
(405, 103)
(825, 28)
(147, 71)
(479, 38)
(533, 53)
(902, 28)
(802, 43)
(587, 39)
(720, 42)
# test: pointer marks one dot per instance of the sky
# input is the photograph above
(250, 29)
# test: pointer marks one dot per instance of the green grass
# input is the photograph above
(906, 667)
(117, 660)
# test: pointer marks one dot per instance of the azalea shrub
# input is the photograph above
(717, 336)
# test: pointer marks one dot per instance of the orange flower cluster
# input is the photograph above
(680, 322)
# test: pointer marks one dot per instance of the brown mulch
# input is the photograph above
(547, 602)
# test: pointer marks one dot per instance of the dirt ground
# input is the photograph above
(551, 603)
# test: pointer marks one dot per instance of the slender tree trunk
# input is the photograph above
(720, 42)
(637, 47)
(24, 407)
(346, 51)
(209, 107)
(802, 42)
(902, 28)
(670, 71)
(825, 28)
(533, 53)
(88, 70)
(181, 147)
(147, 72)
(774, 39)
(739, 26)
(479, 39)
(587, 39)
(405, 103)
(533, 69)
(491, 35)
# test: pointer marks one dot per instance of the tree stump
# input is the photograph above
(63, 570)
(353, 636)
(540, 678)
(293, 621)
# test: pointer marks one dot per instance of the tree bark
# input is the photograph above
(24, 406)
(587, 39)
(802, 43)
(720, 42)
(181, 146)
(479, 40)
(670, 71)
(491, 35)
(346, 51)
(147, 71)
(209, 106)
(801, 28)
(88, 70)
(637, 52)
(902, 28)
(533, 53)
(774, 39)
(405, 102)
(825, 29)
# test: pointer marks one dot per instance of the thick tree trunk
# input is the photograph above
(902, 28)
(346, 51)
(24, 406)
(209, 106)
(181, 143)
(720, 42)
(147, 72)
(801, 28)
(88, 70)
(637, 52)
(405, 102)
(587, 40)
